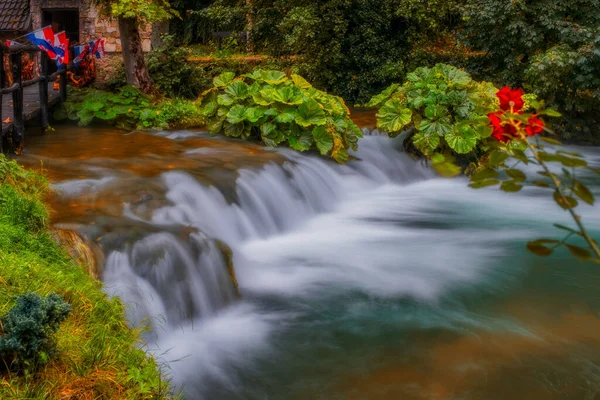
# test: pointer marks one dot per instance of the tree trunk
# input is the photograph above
(133, 55)
(249, 27)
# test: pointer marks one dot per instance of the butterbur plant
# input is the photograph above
(516, 140)
(442, 108)
(278, 109)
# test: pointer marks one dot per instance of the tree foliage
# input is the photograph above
(549, 47)
(353, 48)
(145, 11)
(276, 108)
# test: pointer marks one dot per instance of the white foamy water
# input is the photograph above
(302, 234)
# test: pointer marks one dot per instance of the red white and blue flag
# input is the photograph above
(10, 43)
(97, 48)
(61, 48)
(44, 39)
(79, 52)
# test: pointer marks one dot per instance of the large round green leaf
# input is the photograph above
(236, 114)
(439, 127)
(323, 139)
(393, 116)
(286, 116)
(300, 82)
(302, 142)
(288, 95)
(270, 135)
(253, 114)
(462, 140)
(224, 79)
(310, 113)
(234, 130)
(274, 77)
(426, 143)
(237, 90)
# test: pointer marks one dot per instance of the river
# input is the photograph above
(373, 280)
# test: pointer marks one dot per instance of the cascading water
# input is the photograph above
(356, 281)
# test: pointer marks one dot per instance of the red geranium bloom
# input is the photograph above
(535, 126)
(503, 131)
(510, 99)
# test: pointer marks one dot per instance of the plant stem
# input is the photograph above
(575, 217)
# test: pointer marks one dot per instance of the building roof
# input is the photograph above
(15, 15)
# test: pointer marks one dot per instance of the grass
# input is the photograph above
(98, 356)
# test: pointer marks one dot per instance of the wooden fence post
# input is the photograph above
(44, 91)
(18, 117)
(63, 85)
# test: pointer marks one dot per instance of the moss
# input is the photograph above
(98, 356)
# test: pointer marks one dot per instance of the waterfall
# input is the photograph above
(302, 232)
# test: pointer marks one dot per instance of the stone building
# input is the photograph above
(79, 18)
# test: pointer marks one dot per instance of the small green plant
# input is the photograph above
(444, 107)
(276, 108)
(26, 334)
(129, 108)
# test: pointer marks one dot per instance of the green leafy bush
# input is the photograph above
(129, 108)
(275, 108)
(28, 328)
(353, 48)
(549, 47)
(446, 109)
(171, 74)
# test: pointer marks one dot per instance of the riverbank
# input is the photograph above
(98, 355)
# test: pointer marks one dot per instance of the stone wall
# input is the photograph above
(91, 25)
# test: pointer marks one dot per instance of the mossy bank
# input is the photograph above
(97, 355)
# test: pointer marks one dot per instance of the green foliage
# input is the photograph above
(276, 108)
(21, 195)
(549, 47)
(147, 11)
(443, 106)
(129, 109)
(353, 48)
(28, 328)
(170, 73)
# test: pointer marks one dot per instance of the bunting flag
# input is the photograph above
(44, 39)
(79, 52)
(61, 48)
(97, 48)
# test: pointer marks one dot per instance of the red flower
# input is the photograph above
(510, 99)
(503, 131)
(535, 126)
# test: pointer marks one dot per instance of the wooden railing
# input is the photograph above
(16, 89)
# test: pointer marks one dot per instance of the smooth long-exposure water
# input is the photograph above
(374, 280)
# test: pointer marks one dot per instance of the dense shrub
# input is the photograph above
(170, 73)
(275, 108)
(353, 48)
(549, 47)
(443, 105)
(129, 108)
(27, 329)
